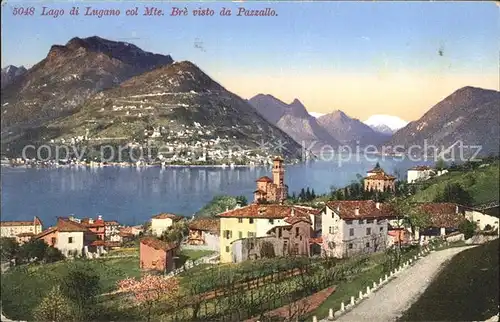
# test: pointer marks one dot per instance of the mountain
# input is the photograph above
(316, 114)
(293, 119)
(387, 124)
(68, 76)
(350, 131)
(469, 115)
(178, 101)
(11, 73)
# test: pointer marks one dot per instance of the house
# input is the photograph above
(445, 218)
(161, 222)
(69, 237)
(397, 235)
(272, 190)
(252, 221)
(206, 232)
(98, 227)
(157, 255)
(24, 238)
(378, 180)
(353, 227)
(12, 229)
(419, 173)
(290, 239)
(481, 219)
(112, 231)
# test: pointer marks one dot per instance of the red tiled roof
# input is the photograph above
(380, 176)
(66, 225)
(125, 234)
(375, 170)
(97, 243)
(278, 158)
(262, 192)
(45, 232)
(421, 168)
(167, 216)
(271, 211)
(264, 179)
(158, 244)
(206, 224)
(34, 222)
(112, 223)
(443, 214)
(346, 209)
(108, 243)
(317, 240)
(292, 220)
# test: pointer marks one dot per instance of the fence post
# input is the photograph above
(367, 290)
(360, 295)
(374, 285)
(315, 319)
(352, 300)
(342, 307)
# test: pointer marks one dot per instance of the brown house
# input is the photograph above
(272, 190)
(378, 180)
(204, 231)
(157, 255)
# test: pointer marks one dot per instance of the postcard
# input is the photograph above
(249, 161)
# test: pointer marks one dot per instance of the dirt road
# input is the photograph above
(390, 301)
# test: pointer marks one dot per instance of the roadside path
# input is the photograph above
(393, 299)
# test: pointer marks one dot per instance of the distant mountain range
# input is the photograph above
(115, 90)
(293, 119)
(469, 116)
(105, 89)
(387, 124)
(11, 73)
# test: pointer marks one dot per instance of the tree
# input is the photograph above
(53, 307)
(468, 228)
(313, 194)
(454, 193)
(9, 248)
(150, 290)
(440, 164)
(53, 254)
(242, 200)
(34, 249)
(81, 284)
(218, 205)
(302, 194)
(308, 194)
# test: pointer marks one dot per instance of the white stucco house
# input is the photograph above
(354, 227)
(419, 173)
(112, 231)
(162, 222)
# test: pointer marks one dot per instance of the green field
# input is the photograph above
(23, 287)
(465, 290)
(482, 184)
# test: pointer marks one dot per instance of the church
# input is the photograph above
(272, 190)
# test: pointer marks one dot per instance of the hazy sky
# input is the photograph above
(364, 58)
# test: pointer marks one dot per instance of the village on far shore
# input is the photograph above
(270, 226)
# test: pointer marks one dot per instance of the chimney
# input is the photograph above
(99, 217)
(238, 205)
(356, 211)
(377, 204)
(227, 209)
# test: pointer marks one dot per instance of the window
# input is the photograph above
(250, 220)
(381, 228)
(369, 221)
(99, 237)
(350, 246)
(251, 234)
(279, 232)
(70, 240)
(240, 234)
(368, 231)
(361, 221)
(240, 220)
(271, 221)
(367, 245)
(228, 234)
(227, 249)
(351, 231)
(296, 231)
(330, 229)
(53, 241)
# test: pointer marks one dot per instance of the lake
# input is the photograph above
(133, 195)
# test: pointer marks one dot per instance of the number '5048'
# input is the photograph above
(29, 11)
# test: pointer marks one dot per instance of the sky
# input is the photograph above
(364, 58)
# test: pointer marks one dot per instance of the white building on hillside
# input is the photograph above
(162, 222)
(419, 173)
(353, 227)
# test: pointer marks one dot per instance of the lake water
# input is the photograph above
(133, 195)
